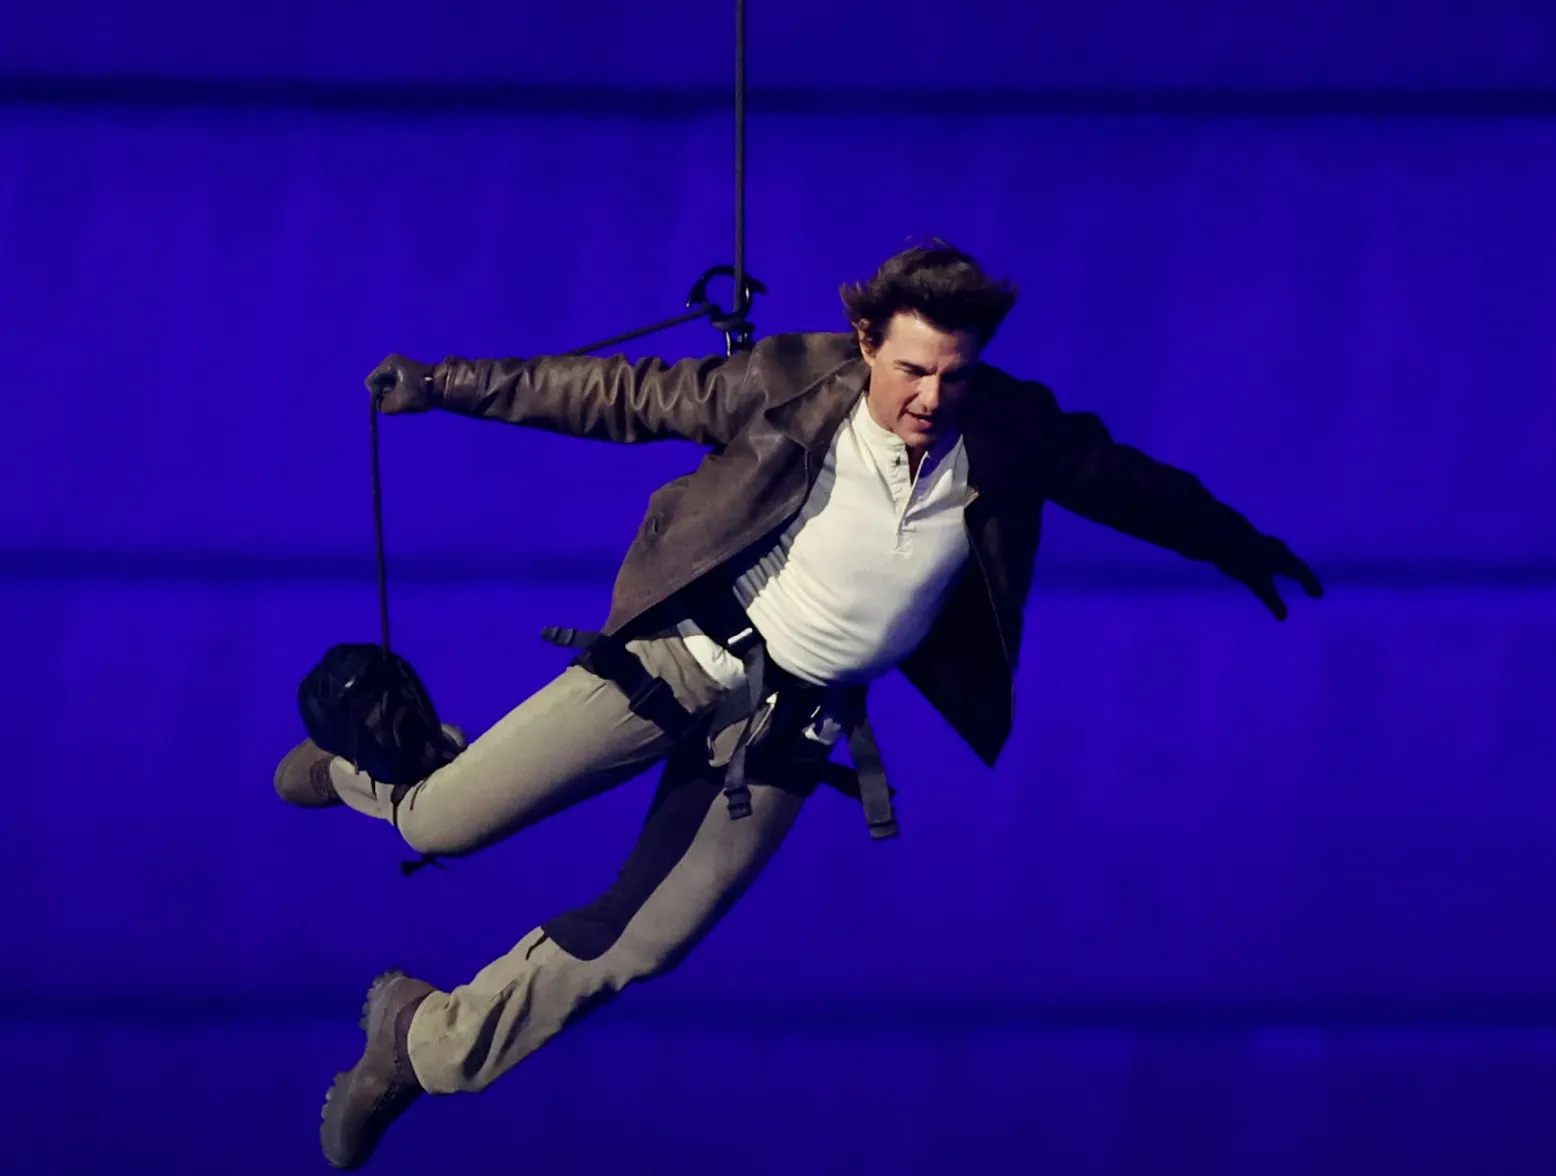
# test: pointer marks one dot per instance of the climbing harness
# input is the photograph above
(766, 688)
(365, 703)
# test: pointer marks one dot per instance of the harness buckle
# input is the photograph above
(738, 800)
(743, 642)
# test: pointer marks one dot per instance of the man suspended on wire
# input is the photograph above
(871, 500)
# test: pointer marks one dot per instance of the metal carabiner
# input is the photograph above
(735, 324)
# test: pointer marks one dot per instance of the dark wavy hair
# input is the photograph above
(938, 282)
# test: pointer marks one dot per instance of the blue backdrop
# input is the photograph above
(1241, 898)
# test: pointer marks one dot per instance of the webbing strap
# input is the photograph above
(752, 696)
(874, 792)
(650, 697)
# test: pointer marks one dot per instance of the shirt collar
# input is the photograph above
(884, 443)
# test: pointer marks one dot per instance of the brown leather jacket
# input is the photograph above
(768, 417)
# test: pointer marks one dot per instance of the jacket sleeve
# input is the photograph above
(605, 399)
(1117, 486)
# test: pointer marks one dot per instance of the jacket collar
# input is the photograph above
(812, 414)
(994, 441)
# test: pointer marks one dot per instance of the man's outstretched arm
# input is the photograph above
(604, 399)
(1118, 486)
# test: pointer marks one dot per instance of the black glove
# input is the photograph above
(402, 385)
(1269, 558)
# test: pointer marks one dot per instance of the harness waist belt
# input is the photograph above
(719, 615)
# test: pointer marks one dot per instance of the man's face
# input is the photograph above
(919, 379)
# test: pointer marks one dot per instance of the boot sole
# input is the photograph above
(373, 990)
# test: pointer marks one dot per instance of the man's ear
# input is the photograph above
(861, 332)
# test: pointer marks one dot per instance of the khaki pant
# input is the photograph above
(574, 739)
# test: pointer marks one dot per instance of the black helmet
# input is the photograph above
(367, 705)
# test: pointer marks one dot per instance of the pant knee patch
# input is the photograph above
(686, 792)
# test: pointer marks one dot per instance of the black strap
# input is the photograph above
(874, 792)
(571, 638)
(717, 613)
(747, 705)
(649, 697)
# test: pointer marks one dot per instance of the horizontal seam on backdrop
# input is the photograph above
(594, 568)
(431, 97)
(758, 1018)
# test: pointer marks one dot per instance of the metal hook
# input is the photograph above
(738, 330)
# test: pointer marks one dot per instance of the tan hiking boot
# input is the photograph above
(370, 1096)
